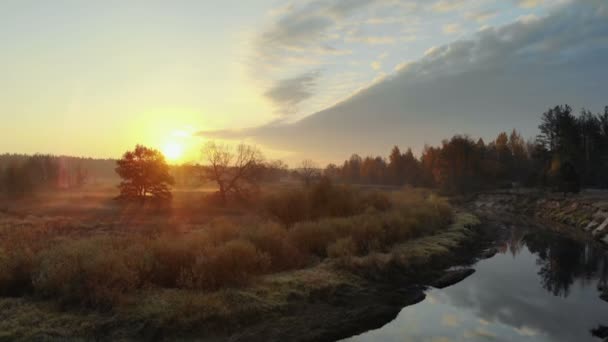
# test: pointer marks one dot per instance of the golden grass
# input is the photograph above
(223, 271)
(86, 265)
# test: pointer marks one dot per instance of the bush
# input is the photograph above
(169, 256)
(222, 230)
(312, 237)
(377, 200)
(94, 272)
(274, 241)
(373, 230)
(15, 269)
(328, 200)
(344, 247)
(289, 206)
(231, 264)
(322, 200)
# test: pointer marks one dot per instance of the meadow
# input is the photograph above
(73, 259)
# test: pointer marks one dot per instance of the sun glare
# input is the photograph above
(173, 151)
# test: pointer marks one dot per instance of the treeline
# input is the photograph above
(570, 151)
(22, 175)
(195, 174)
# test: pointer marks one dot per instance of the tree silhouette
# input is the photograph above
(236, 171)
(145, 173)
(308, 171)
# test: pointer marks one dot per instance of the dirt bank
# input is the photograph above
(586, 212)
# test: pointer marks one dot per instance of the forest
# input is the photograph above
(569, 147)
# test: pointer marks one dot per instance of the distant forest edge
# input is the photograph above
(570, 152)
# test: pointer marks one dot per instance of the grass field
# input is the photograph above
(79, 260)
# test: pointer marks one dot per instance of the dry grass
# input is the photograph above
(91, 265)
(226, 270)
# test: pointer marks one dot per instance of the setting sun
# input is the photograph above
(173, 150)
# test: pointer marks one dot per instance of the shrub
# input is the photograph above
(170, 256)
(231, 264)
(377, 200)
(94, 272)
(273, 240)
(313, 237)
(15, 269)
(289, 206)
(344, 247)
(222, 230)
(322, 200)
(328, 200)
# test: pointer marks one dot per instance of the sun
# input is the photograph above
(173, 150)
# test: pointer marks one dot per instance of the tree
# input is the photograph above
(412, 169)
(16, 181)
(308, 171)
(81, 176)
(559, 131)
(145, 173)
(332, 171)
(274, 170)
(352, 169)
(236, 171)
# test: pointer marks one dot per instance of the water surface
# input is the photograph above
(539, 287)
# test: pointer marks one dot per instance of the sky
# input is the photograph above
(317, 79)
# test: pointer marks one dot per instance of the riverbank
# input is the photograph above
(585, 213)
(335, 299)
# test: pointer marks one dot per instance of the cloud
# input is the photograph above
(300, 36)
(288, 93)
(372, 40)
(529, 3)
(526, 331)
(299, 27)
(481, 16)
(376, 65)
(501, 78)
(448, 5)
(451, 321)
(452, 28)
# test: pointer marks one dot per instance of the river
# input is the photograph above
(540, 286)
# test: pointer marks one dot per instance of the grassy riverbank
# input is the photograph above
(65, 279)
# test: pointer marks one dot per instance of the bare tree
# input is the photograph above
(235, 170)
(308, 171)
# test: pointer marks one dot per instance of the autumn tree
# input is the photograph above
(145, 173)
(236, 171)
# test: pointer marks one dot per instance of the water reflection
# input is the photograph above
(562, 261)
(540, 287)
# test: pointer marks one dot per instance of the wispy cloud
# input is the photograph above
(529, 3)
(452, 28)
(448, 5)
(288, 93)
(481, 16)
